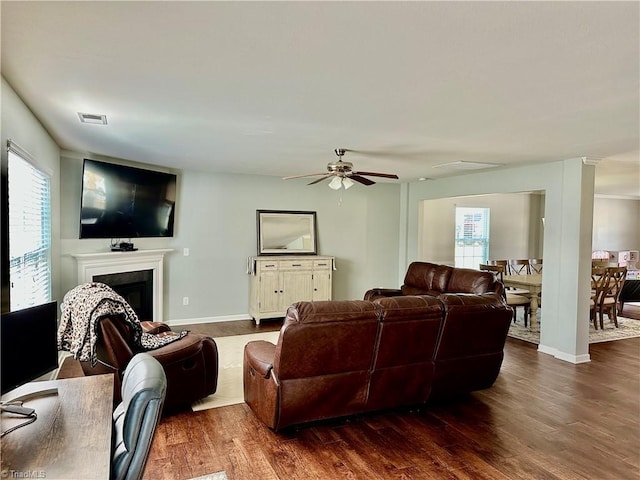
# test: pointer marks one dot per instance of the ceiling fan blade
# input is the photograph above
(374, 174)
(362, 180)
(326, 175)
(300, 176)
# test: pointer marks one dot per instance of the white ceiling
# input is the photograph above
(272, 88)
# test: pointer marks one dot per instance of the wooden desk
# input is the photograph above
(71, 438)
(533, 283)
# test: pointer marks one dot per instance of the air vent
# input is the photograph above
(93, 118)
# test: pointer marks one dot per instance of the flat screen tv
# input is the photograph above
(119, 201)
(29, 343)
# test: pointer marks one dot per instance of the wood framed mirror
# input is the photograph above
(286, 232)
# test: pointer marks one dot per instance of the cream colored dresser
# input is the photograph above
(279, 281)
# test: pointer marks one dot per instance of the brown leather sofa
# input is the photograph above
(339, 358)
(423, 278)
(190, 363)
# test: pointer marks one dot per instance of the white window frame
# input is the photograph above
(29, 199)
(471, 247)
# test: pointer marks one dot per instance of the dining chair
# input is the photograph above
(599, 278)
(519, 267)
(610, 294)
(535, 266)
(502, 263)
(505, 265)
(512, 299)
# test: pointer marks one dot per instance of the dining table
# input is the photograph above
(532, 283)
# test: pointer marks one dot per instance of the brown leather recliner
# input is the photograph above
(319, 368)
(190, 363)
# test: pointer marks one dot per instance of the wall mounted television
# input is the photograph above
(29, 344)
(119, 201)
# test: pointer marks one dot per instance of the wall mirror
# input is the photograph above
(286, 232)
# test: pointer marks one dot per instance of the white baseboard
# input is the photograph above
(564, 356)
(222, 318)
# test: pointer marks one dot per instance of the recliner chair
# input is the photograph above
(144, 386)
(190, 363)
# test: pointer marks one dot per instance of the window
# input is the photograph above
(29, 231)
(472, 236)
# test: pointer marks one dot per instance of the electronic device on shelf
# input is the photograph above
(120, 201)
(123, 247)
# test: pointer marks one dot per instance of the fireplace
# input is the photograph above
(137, 276)
(135, 287)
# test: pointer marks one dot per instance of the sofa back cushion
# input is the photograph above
(470, 347)
(323, 359)
(423, 278)
(403, 367)
(466, 280)
(320, 338)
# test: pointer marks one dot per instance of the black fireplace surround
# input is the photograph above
(135, 287)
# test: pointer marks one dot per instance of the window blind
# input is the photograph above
(29, 231)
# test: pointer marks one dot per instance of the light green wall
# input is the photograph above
(216, 220)
(22, 127)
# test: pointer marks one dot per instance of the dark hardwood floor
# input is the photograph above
(543, 419)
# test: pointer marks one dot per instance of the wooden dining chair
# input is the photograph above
(503, 263)
(512, 299)
(519, 267)
(610, 294)
(599, 278)
(535, 266)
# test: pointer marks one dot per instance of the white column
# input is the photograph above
(565, 323)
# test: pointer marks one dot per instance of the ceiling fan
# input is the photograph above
(343, 174)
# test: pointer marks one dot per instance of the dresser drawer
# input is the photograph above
(296, 264)
(268, 266)
(322, 264)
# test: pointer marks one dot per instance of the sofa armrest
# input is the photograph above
(259, 356)
(154, 328)
(381, 293)
(177, 351)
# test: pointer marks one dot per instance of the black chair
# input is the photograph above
(144, 387)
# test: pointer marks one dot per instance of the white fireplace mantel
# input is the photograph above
(105, 263)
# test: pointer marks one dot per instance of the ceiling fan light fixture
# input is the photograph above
(347, 182)
(336, 183)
